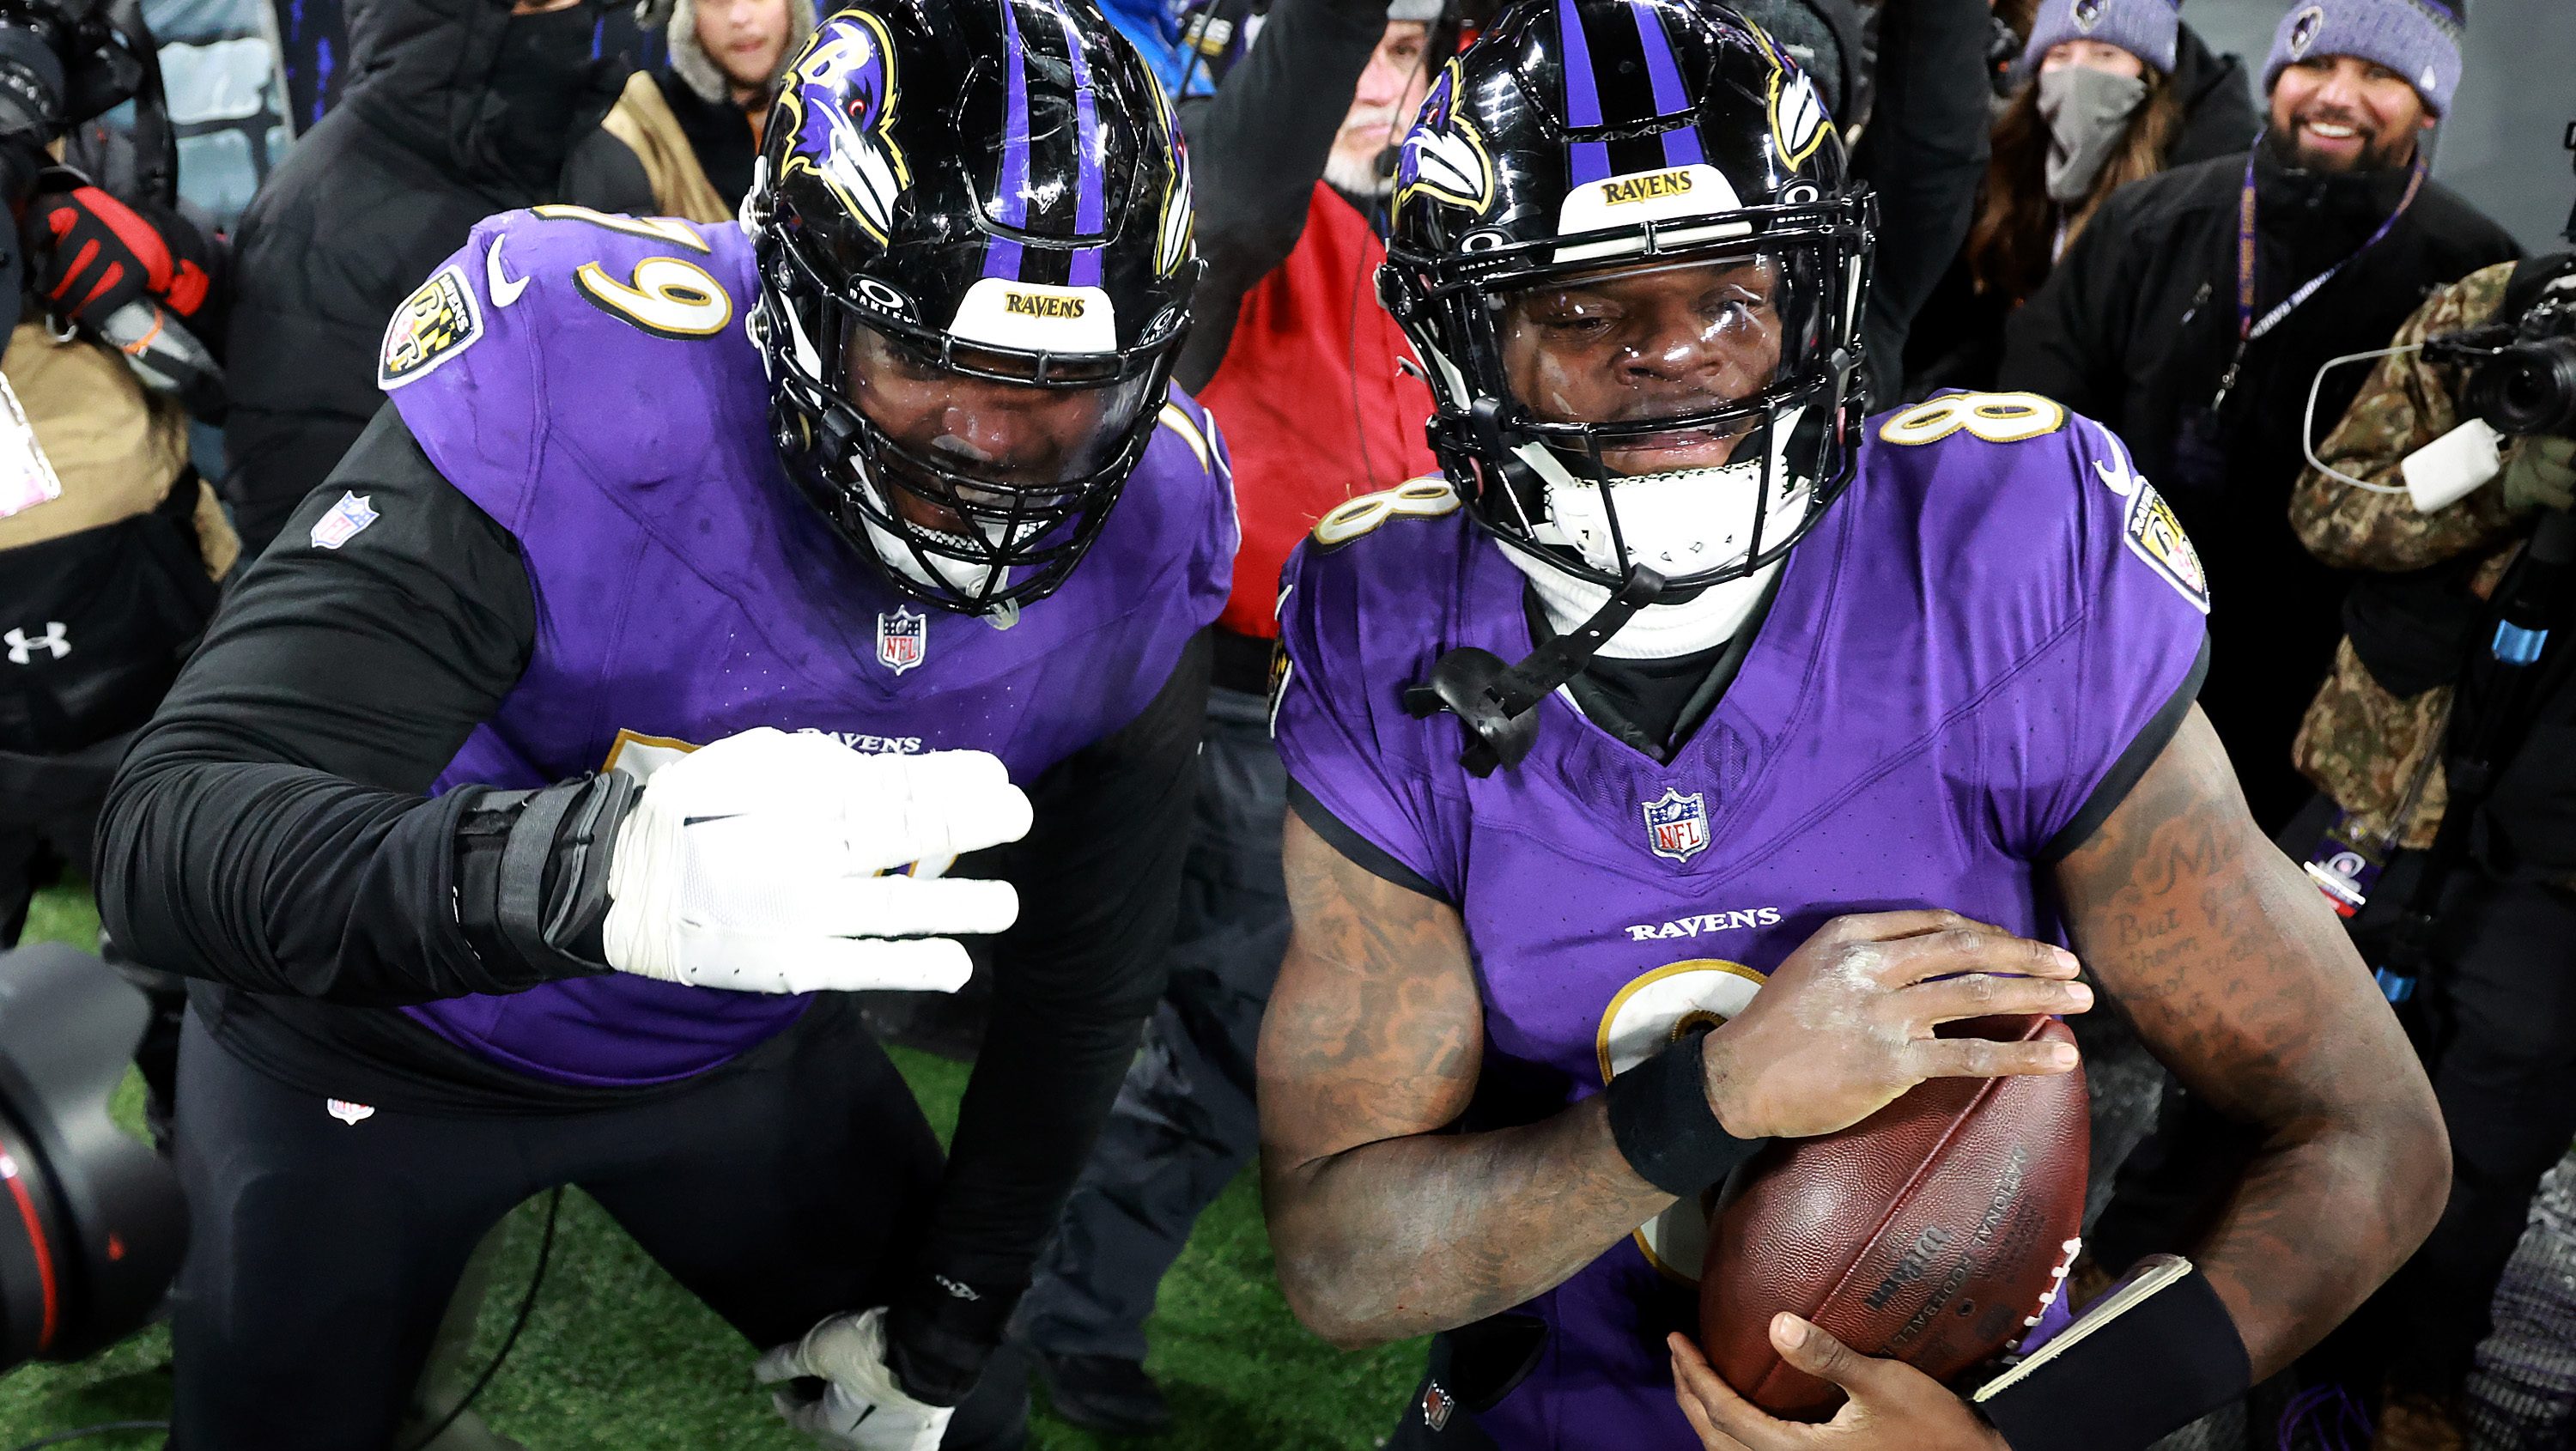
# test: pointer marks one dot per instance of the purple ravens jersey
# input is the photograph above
(586, 380)
(1955, 659)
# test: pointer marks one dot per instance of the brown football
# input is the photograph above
(1929, 1231)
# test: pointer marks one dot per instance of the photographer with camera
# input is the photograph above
(111, 548)
(110, 553)
(110, 545)
(2423, 732)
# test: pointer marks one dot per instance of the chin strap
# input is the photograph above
(1497, 702)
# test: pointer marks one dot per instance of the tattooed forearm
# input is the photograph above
(2242, 982)
(1384, 1227)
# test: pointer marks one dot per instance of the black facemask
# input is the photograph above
(544, 77)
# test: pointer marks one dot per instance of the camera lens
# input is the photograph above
(2528, 388)
(91, 1222)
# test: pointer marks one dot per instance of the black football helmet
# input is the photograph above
(973, 231)
(1580, 142)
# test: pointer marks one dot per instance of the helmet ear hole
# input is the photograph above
(1392, 294)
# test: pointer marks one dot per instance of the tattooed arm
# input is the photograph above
(2242, 982)
(1374, 1035)
(1386, 1227)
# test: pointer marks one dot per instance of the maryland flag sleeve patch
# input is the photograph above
(434, 324)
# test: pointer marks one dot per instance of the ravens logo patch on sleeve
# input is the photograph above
(2156, 536)
(433, 325)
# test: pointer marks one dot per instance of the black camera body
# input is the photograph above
(2522, 367)
(2529, 384)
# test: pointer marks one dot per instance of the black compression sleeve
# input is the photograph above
(1099, 879)
(268, 828)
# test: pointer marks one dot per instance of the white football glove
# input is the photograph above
(862, 1409)
(759, 864)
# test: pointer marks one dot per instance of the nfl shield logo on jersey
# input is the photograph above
(347, 517)
(1677, 825)
(1436, 1406)
(901, 639)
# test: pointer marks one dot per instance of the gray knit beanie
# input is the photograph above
(698, 70)
(2143, 28)
(2418, 39)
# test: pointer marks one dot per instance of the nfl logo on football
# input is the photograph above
(901, 638)
(1677, 825)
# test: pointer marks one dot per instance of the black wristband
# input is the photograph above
(2155, 1354)
(1660, 1118)
(532, 877)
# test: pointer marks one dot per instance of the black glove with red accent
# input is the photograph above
(95, 254)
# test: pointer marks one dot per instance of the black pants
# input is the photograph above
(48, 812)
(322, 1252)
(2504, 1067)
(1184, 1123)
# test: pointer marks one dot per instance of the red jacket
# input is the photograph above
(1313, 408)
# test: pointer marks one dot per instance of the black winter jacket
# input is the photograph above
(2218, 113)
(369, 200)
(2136, 327)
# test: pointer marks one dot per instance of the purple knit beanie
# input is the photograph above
(2143, 28)
(2418, 39)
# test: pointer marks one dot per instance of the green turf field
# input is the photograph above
(618, 1358)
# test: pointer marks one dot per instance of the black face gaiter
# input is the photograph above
(543, 77)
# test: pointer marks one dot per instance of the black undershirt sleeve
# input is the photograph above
(1074, 980)
(269, 829)
(2133, 761)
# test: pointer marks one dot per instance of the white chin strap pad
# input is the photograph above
(964, 576)
(1687, 521)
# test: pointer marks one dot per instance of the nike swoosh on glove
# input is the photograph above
(861, 1408)
(761, 864)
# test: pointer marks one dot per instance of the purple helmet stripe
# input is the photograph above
(1584, 160)
(1681, 144)
(1011, 188)
(1089, 191)
(1582, 99)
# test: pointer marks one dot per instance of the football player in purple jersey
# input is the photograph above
(1822, 732)
(539, 798)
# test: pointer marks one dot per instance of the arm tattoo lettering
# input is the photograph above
(2241, 980)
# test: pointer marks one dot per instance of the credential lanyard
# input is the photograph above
(2249, 327)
